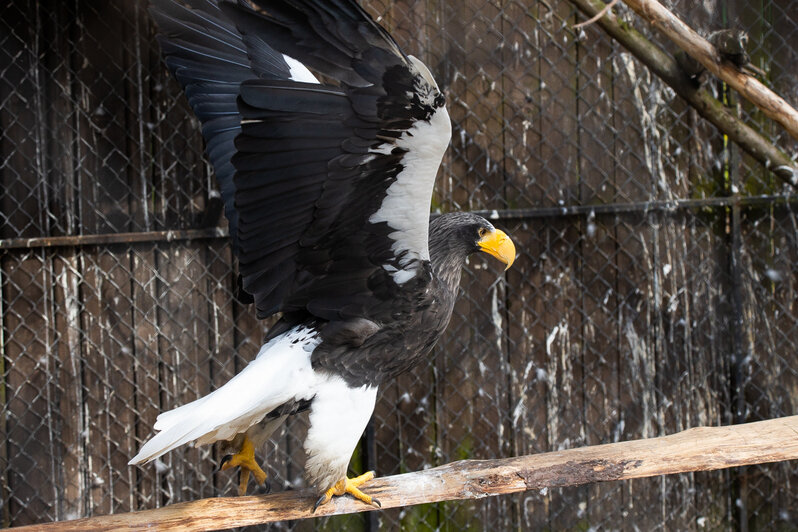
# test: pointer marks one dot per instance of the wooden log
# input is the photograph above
(702, 51)
(696, 449)
(664, 66)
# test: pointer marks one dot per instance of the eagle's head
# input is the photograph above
(454, 236)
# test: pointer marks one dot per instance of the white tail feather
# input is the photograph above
(280, 373)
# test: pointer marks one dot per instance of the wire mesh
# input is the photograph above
(615, 323)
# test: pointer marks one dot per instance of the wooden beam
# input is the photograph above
(697, 449)
(702, 51)
(113, 238)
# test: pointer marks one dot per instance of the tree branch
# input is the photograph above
(597, 16)
(697, 449)
(702, 51)
(665, 67)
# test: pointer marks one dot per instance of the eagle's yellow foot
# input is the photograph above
(245, 459)
(350, 486)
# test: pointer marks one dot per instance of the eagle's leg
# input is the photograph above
(245, 459)
(350, 486)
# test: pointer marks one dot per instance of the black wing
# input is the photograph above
(334, 181)
(211, 58)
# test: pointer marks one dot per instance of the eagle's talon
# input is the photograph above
(359, 495)
(360, 480)
(350, 486)
(243, 480)
(245, 460)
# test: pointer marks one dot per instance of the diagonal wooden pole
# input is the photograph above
(665, 67)
(702, 51)
(697, 449)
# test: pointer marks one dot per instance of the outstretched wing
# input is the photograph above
(334, 181)
(211, 58)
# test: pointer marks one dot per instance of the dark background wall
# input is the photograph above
(654, 291)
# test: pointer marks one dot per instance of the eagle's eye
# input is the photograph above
(482, 232)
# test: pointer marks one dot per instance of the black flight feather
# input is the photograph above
(210, 58)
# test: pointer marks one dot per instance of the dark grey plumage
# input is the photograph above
(412, 319)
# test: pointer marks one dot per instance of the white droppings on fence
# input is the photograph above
(774, 275)
(642, 373)
(550, 339)
(496, 317)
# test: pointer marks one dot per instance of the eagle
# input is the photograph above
(327, 181)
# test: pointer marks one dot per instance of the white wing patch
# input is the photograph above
(406, 205)
(298, 71)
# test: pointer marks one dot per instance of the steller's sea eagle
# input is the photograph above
(327, 188)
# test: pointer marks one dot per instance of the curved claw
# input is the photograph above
(226, 458)
(322, 500)
(265, 488)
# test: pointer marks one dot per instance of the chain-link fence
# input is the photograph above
(655, 288)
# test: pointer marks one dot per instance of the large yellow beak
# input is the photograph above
(498, 244)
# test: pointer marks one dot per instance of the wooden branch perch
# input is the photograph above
(666, 68)
(702, 51)
(698, 449)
